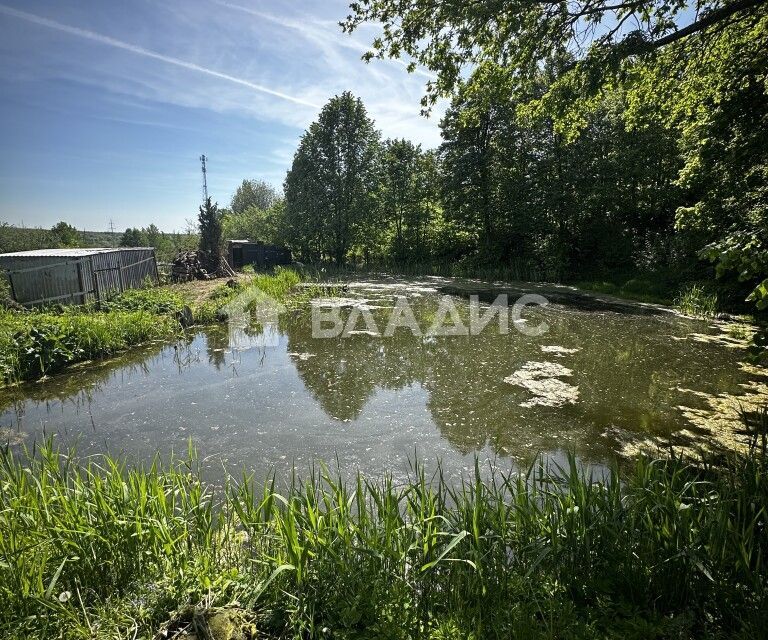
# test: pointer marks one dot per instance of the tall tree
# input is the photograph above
(528, 195)
(305, 200)
(256, 194)
(65, 235)
(330, 188)
(131, 238)
(405, 195)
(718, 102)
(447, 37)
(209, 220)
(265, 225)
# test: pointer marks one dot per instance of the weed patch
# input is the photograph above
(696, 300)
(36, 344)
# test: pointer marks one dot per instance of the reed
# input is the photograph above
(278, 284)
(696, 300)
(667, 548)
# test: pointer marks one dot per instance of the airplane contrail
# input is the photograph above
(147, 53)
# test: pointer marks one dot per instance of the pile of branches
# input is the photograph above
(199, 265)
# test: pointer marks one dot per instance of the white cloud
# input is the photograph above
(325, 33)
(126, 46)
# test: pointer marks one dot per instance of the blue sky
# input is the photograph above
(107, 106)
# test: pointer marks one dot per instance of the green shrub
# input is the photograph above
(697, 300)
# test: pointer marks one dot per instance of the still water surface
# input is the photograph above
(376, 402)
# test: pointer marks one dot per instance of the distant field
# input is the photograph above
(25, 239)
(101, 238)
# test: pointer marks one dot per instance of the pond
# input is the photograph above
(599, 383)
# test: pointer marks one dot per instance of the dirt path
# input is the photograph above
(196, 291)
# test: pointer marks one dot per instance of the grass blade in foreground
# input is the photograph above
(91, 548)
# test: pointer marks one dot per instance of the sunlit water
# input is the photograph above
(255, 401)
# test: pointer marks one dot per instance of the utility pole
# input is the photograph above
(205, 181)
(111, 233)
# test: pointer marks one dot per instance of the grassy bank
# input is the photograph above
(93, 549)
(277, 285)
(37, 343)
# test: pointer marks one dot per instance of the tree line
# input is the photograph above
(575, 147)
(643, 151)
(64, 236)
(166, 245)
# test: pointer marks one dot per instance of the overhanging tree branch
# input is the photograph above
(713, 17)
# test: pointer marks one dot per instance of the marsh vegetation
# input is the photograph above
(666, 548)
(41, 342)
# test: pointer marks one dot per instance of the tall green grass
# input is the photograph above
(278, 285)
(93, 548)
(39, 343)
(696, 300)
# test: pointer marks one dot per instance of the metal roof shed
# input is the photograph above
(243, 252)
(76, 276)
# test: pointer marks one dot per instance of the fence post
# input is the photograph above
(96, 287)
(80, 280)
(13, 289)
